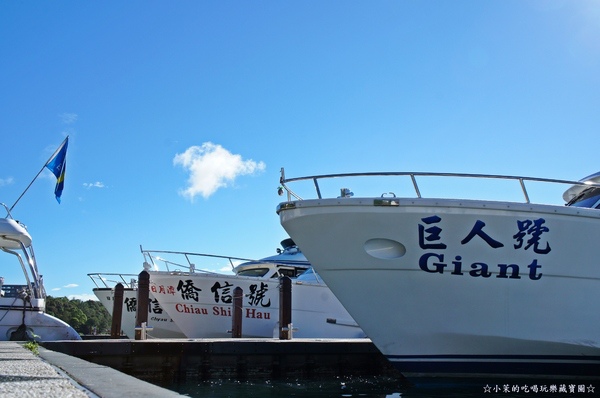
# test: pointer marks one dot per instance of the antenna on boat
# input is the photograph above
(60, 147)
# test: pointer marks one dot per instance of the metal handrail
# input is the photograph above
(151, 255)
(413, 176)
(102, 278)
(8, 215)
(186, 254)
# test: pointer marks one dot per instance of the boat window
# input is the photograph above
(291, 272)
(285, 272)
(254, 272)
(310, 275)
(588, 198)
(13, 291)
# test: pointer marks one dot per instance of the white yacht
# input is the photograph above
(449, 286)
(201, 302)
(23, 302)
(162, 324)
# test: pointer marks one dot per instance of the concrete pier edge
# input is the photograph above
(102, 381)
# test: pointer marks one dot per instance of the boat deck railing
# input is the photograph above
(154, 258)
(8, 215)
(110, 280)
(413, 176)
(20, 246)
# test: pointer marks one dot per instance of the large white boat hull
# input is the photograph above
(447, 287)
(201, 305)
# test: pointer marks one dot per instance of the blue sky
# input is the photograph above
(181, 114)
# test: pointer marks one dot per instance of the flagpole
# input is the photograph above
(39, 172)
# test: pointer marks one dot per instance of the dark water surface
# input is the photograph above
(388, 387)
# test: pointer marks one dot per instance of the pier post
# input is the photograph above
(285, 308)
(115, 328)
(143, 295)
(236, 317)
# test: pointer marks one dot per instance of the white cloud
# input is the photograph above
(96, 184)
(226, 270)
(56, 289)
(212, 167)
(6, 181)
(70, 285)
(68, 118)
(83, 297)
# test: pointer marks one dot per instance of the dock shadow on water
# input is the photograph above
(315, 387)
(385, 387)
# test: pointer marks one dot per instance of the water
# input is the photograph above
(339, 387)
(387, 387)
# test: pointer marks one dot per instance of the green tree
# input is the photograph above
(86, 317)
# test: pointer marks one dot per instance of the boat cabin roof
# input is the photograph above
(582, 195)
(13, 233)
(269, 270)
(287, 262)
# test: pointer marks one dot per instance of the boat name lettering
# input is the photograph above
(255, 314)
(156, 319)
(257, 295)
(162, 289)
(190, 309)
(217, 310)
(188, 290)
(250, 312)
(477, 268)
(430, 235)
(528, 235)
(222, 292)
(130, 304)
(153, 305)
(221, 311)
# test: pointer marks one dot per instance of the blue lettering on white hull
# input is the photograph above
(428, 263)
(529, 236)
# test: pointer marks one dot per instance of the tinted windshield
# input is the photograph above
(254, 272)
(588, 198)
(292, 273)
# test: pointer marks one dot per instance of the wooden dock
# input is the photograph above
(164, 361)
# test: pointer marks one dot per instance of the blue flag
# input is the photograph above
(58, 166)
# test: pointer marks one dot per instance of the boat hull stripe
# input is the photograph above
(499, 364)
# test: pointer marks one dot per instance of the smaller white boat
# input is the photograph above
(22, 306)
(201, 303)
(160, 323)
